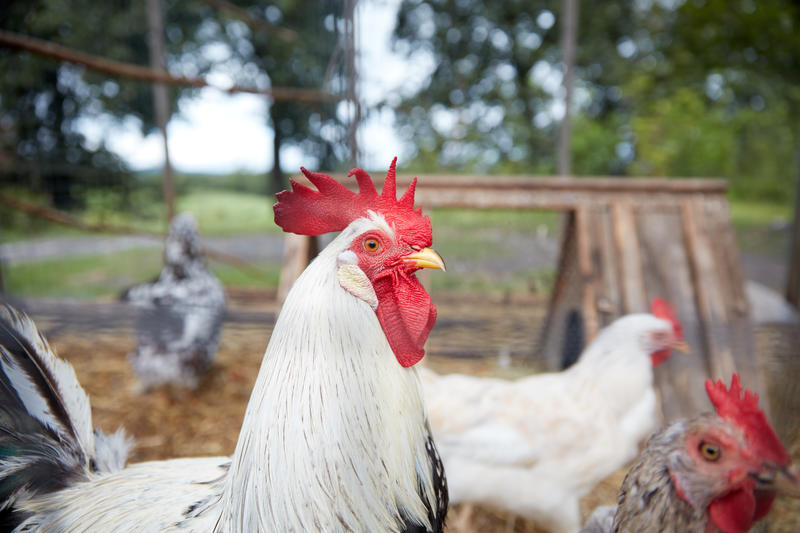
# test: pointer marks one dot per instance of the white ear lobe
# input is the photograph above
(353, 280)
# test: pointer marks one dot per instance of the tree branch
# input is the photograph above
(137, 72)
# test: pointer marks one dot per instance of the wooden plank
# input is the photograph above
(708, 290)
(559, 194)
(541, 183)
(604, 264)
(665, 270)
(629, 264)
(583, 244)
(297, 253)
(735, 333)
(727, 252)
(793, 281)
(561, 299)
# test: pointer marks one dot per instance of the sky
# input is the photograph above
(219, 133)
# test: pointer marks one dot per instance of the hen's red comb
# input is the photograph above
(742, 410)
(333, 206)
(662, 309)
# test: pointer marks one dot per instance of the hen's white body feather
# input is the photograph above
(536, 445)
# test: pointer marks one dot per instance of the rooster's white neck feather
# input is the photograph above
(334, 435)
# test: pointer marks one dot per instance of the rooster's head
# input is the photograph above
(390, 243)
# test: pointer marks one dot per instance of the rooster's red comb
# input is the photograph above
(332, 207)
(742, 410)
(662, 309)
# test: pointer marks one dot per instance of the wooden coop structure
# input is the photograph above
(625, 241)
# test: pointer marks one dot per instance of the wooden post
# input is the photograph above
(155, 26)
(569, 32)
(298, 252)
(793, 286)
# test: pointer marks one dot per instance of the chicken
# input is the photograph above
(715, 472)
(335, 436)
(536, 445)
(181, 313)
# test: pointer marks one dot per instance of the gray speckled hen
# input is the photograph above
(715, 472)
(182, 311)
(335, 437)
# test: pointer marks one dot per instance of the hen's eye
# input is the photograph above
(710, 452)
(372, 245)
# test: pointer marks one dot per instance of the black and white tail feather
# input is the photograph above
(47, 441)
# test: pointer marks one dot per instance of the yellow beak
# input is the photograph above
(682, 347)
(426, 258)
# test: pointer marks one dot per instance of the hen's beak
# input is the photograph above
(785, 480)
(425, 258)
(682, 347)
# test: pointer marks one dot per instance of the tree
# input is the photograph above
(42, 101)
(488, 104)
(308, 61)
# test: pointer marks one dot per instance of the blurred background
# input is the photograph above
(116, 115)
(655, 88)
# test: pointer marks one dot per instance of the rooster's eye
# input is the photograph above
(372, 245)
(710, 452)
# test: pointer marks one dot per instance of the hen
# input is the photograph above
(536, 445)
(715, 472)
(181, 313)
(334, 438)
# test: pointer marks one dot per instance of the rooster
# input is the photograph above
(335, 436)
(536, 445)
(715, 472)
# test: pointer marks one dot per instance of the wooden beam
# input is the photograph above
(793, 282)
(629, 264)
(298, 251)
(588, 293)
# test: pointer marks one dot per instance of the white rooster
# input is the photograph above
(334, 438)
(536, 445)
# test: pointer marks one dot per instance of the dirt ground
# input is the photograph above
(485, 332)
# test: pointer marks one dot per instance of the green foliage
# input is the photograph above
(691, 88)
(42, 100)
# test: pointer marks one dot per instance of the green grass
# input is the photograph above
(749, 214)
(82, 277)
(218, 212)
(104, 277)
(229, 212)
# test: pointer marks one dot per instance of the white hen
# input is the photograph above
(536, 445)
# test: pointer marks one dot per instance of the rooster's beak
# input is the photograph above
(682, 347)
(425, 258)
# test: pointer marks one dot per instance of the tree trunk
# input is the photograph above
(155, 23)
(275, 178)
(569, 31)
